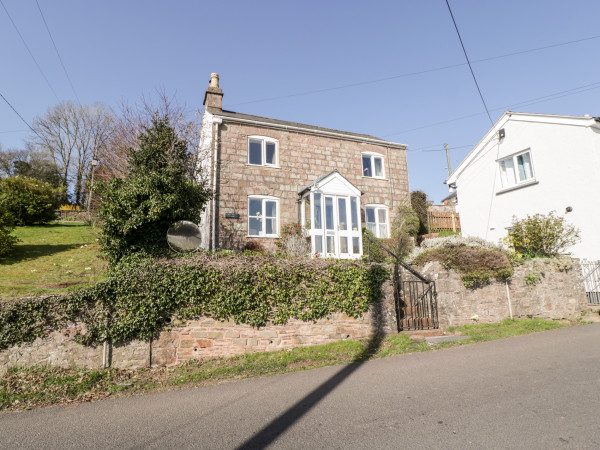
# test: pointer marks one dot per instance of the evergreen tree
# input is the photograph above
(158, 191)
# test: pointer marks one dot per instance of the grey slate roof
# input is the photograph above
(283, 123)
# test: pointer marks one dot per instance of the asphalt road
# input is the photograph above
(535, 391)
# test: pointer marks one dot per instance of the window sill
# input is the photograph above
(263, 165)
(517, 186)
(268, 236)
(376, 178)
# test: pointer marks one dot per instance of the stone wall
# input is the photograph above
(205, 338)
(558, 295)
(302, 159)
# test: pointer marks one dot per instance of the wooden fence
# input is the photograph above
(443, 221)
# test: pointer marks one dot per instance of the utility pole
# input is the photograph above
(448, 158)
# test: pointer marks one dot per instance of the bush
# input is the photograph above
(7, 241)
(477, 260)
(142, 295)
(541, 235)
(29, 201)
(293, 241)
(158, 191)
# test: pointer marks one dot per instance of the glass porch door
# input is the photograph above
(334, 225)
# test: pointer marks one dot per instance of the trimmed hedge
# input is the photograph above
(141, 297)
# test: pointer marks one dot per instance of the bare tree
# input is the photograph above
(132, 121)
(73, 135)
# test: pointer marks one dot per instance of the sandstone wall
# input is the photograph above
(205, 338)
(558, 295)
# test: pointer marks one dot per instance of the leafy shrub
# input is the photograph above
(29, 201)
(406, 222)
(477, 260)
(158, 191)
(6, 228)
(142, 295)
(541, 235)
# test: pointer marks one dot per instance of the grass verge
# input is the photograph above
(27, 388)
(52, 258)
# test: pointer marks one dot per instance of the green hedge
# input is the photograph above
(141, 297)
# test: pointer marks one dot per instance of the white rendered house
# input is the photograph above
(528, 164)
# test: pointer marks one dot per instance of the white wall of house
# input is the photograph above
(565, 157)
(204, 174)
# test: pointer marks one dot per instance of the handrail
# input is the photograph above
(398, 260)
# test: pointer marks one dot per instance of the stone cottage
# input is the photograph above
(267, 173)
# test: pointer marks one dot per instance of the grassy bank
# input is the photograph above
(26, 388)
(51, 258)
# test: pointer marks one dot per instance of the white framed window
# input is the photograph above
(263, 151)
(516, 169)
(372, 165)
(263, 216)
(377, 220)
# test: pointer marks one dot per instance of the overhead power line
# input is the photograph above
(410, 74)
(17, 113)
(533, 101)
(469, 63)
(30, 53)
(437, 149)
(57, 52)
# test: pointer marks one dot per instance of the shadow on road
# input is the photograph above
(280, 424)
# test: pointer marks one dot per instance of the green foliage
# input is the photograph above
(419, 203)
(541, 235)
(7, 241)
(533, 278)
(476, 265)
(406, 222)
(158, 191)
(29, 201)
(142, 295)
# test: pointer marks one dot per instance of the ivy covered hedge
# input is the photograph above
(141, 296)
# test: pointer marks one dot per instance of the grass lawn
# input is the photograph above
(51, 258)
(26, 388)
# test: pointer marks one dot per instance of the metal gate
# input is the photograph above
(415, 296)
(591, 281)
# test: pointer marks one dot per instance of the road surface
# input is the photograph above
(535, 391)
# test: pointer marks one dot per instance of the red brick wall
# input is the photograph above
(302, 158)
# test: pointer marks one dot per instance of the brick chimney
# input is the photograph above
(213, 99)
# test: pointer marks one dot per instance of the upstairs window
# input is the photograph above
(262, 151)
(263, 216)
(377, 220)
(516, 169)
(372, 165)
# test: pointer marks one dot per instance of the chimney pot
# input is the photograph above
(214, 80)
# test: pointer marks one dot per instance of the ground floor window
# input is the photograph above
(377, 220)
(263, 216)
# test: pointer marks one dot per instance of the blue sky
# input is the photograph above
(116, 51)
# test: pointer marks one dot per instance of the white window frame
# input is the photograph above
(518, 182)
(372, 156)
(264, 140)
(378, 207)
(263, 199)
